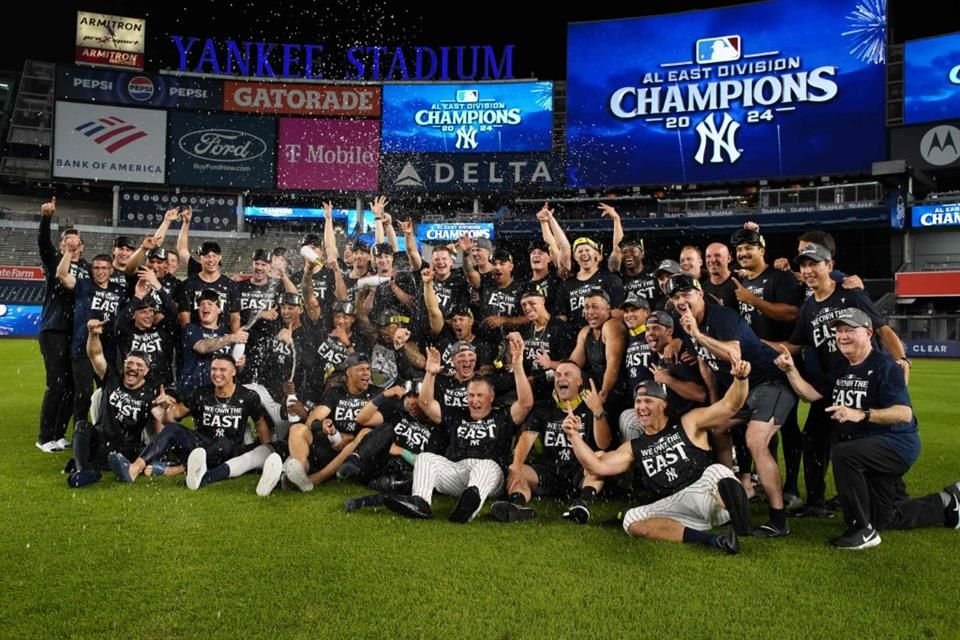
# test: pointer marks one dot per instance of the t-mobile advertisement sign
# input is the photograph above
(328, 154)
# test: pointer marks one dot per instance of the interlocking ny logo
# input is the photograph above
(111, 132)
(466, 137)
(723, 139)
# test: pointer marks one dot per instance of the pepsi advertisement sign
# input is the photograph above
(768, 89)
(936, 215)
(221, 150)
(462, 118)
(931, 79)
(82, 84)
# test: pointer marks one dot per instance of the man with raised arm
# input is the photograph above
(479, 440)
(671, 458)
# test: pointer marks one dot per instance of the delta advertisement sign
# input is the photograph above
(117, 144)
(769, 89)
(318, 154)
(461, 118)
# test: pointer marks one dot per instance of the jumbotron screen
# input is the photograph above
(768, 89)
(931, 79)
(467, 118)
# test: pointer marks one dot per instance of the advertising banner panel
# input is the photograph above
(221, 150)
(766, 89)
(117, 144)
(316, 154)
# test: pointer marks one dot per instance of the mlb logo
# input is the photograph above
(468, 95)
(718, 49)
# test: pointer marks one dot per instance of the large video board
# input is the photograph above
(467, 118)
(780, 88)
(931, 79)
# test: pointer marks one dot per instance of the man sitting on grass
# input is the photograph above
(671, 458)
(479, 442)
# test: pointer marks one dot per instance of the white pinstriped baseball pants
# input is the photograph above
(452, 478)
(696, 506)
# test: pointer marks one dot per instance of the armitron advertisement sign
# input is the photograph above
(110, 41)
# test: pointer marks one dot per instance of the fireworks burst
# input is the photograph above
(543, 93)
(868, 30)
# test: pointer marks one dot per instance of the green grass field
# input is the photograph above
(154, 560)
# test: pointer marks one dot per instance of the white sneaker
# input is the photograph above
(297, 475)
(196, 468)
(270, 476)
(53, 446)
(63, 443)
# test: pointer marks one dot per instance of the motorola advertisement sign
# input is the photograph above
(105, 86)
(221, 151)
(931, 79)
(770, 89)
(467, 118)
(422, 173)
(115, 144)
(930, 147)
(210, 212)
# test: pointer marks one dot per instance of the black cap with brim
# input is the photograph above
(125, 241)
(460, 346)
(661, 318)
(484, 243)
(69, 231)
(501, 255)
(680, 283)
(746, 236)
(345, 308)
(311, 239)
(384, 248)
(290, 299)
(157, 254)
(355, 359)
(650, 389)
(261, 255)
(671, 267)
(141, 303)
(635, 302)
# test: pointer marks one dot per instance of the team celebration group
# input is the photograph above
(594, 377)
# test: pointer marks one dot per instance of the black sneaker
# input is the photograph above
(862, 538)
(353, 504)
(83, 478)
(466, 506)
(770, 530)
(349, 468)
(833, 504)
(578, 512)
(812, 511)
(735, 500)
(509, 512)
(410, 506)
(952, 510)
(727, 541)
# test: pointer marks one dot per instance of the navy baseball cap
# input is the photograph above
(125, 241)
(501, 255)
(661, 318)
(209, 294)
(355, 359)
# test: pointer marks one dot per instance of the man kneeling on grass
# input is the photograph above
(479, 442)
(671, 458)
(875, 436)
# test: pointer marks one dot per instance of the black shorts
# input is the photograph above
(558, 482)
(769, 401)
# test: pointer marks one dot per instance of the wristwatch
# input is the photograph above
(866, 415)
(598, 416)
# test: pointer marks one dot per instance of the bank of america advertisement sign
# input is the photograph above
(221, 150)
(94, 142)
(467, 118)
(778, 88)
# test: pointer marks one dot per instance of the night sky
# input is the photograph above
(47, 33)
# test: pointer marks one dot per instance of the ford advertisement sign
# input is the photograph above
(221, 150)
